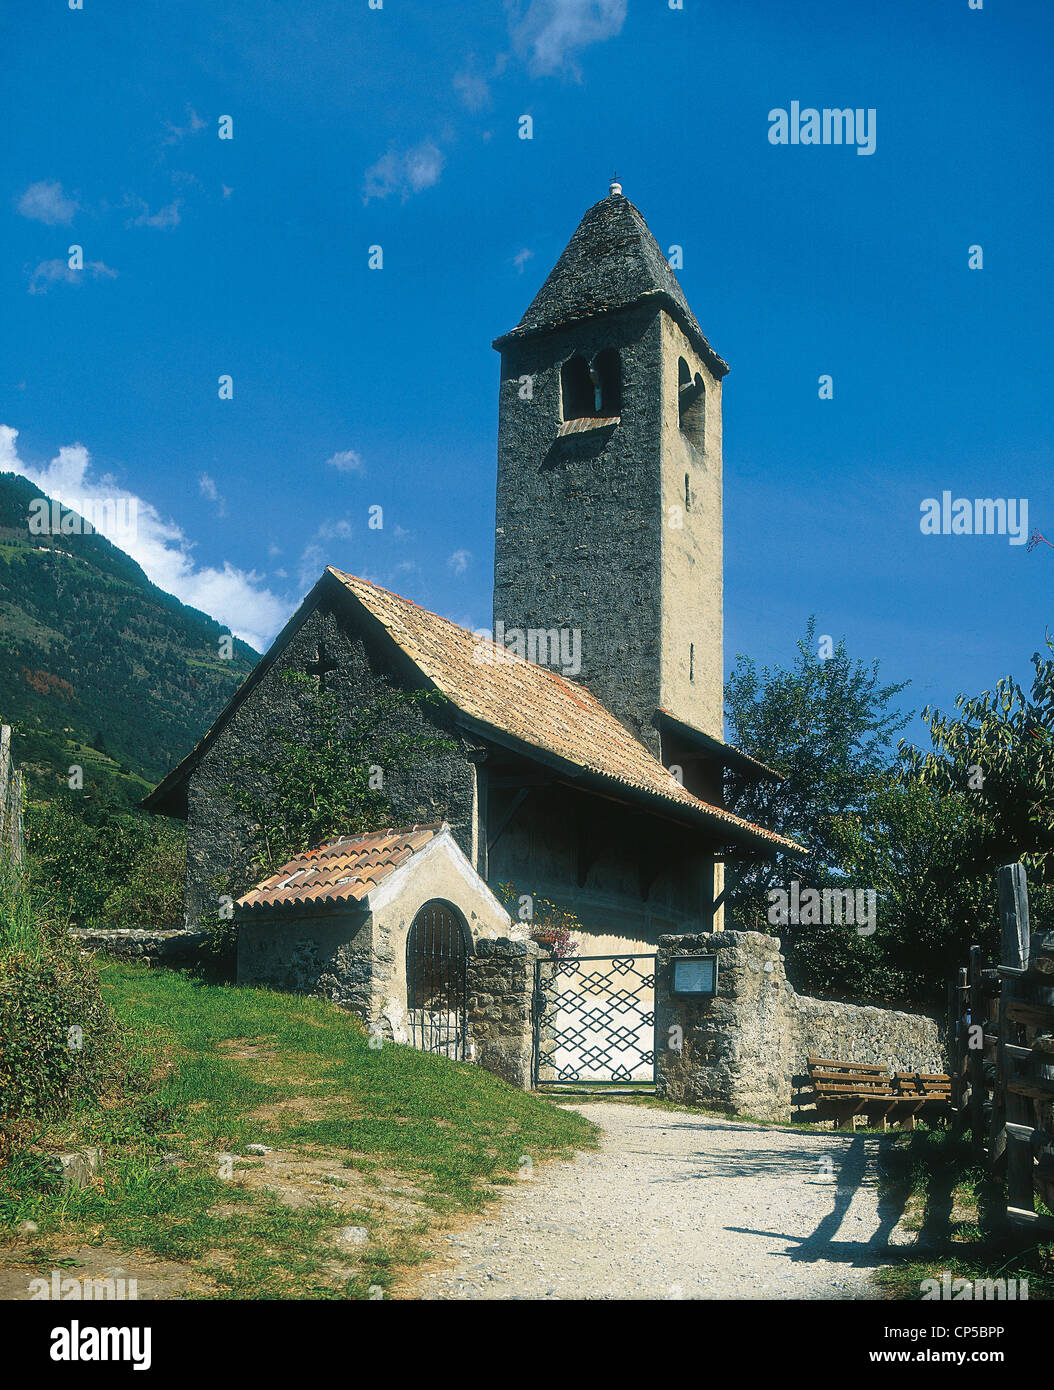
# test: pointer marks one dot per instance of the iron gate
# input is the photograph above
(595, 1021)
(436, 980)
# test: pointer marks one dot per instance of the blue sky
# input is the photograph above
(355, 387)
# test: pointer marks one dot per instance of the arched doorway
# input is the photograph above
(437, 950)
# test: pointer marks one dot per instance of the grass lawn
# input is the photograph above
(952, 1201)
(392, 1141)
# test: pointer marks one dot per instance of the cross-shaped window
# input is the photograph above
(321, 667)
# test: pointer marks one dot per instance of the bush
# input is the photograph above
(59, 1045)
(103, 865)
(58, 1039)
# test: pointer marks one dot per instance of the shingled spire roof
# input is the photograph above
(611, 262)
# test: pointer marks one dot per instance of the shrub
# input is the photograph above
(58, 1039)
(59, 1045)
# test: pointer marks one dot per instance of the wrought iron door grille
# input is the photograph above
(595, 1021)
(437, 981)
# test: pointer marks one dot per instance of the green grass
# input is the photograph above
(215, 1068)
(954, 1203)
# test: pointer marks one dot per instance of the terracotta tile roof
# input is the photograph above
(533, 704)
(344, 870)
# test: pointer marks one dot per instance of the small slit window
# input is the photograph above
(691, 404)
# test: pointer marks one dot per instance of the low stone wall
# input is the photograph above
(853, 1032)
(131, 943)
(743, 1050)
(500, 1008)
(860, 1033)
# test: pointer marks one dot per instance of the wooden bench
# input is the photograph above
(924, 1093)
(843, 1090)
(846, 1089)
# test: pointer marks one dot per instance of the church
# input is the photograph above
(582, 757)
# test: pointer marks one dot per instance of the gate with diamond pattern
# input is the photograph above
(595, 1021)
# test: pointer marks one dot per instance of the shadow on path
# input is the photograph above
(822, 1243)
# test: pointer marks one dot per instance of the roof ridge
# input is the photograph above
(373, 834)
(507, 652)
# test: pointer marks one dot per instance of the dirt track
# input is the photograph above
(677, 1205)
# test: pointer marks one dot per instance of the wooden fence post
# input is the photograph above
(1013, 919)
(5, 781)
(975, 1055)
(17, 833)
(1013, 915)
(12, 838)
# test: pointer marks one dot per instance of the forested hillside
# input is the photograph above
(98, 666)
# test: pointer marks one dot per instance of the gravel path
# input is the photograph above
(678, 1205)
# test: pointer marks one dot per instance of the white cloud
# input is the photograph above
(60, 272)
(165, 217)
(312, 563)
(521, 258)
(46, 202)
(404, 172)
(346, 461)
(177, 133)
(459, 561)
(473, 89)
(549, 32)
(232, 596)
(207, 487)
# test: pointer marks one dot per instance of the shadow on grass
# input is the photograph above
(958, 1207)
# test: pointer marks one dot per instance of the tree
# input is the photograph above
(97, 863)
(906, 843)
(1000, 751)
(827, 726)
(925, 831)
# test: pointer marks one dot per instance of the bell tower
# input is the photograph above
(609, 517)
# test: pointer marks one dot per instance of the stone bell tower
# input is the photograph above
(609, 476)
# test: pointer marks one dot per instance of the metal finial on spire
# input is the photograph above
(614, 186)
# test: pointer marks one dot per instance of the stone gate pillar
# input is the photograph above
(731, 1051)
(500, 1007)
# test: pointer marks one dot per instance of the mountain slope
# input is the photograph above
(97, 665)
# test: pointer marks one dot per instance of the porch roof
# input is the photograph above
(344, 870)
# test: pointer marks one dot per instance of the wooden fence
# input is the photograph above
(12, 838)
(1001, 1051)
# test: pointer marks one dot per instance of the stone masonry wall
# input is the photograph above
(131, 943)
(500, 1008)
(858, 1033)
(329, 956)
(902, 1042)
(742, 1050)
(578, 522)
(430, 785)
